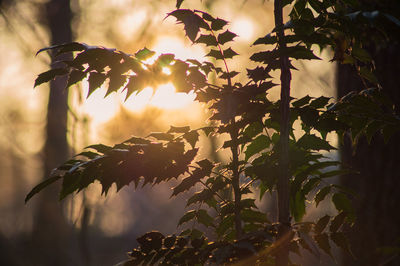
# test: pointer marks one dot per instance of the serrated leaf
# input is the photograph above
(174, 129)
(321, 194)
(218, 24)
(191, 137)
(312, 142)
(267, 39)
(299, 52)
(225, 37)
(67, 47)
(74, 77)
(204, 218)
(226, 223)
(229, 53)
(192, 22)
(337, 222)
(298, 206)
(41, 186)
(208, 40)
(320, 102)
(303, 101)
(228, 75)
(258, 144)
(207, 130)
(216, 54)
(162, 136)
(249, 215)
(99, 147)
(189, 181)
(258, 73)
(144, 54)
(49, 75)
(341, 241)
(322, 223)
(323, 242)
(342, 203)
(187, 217)
(95, 81)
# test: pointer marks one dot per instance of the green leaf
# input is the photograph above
(95, 81)
(184, 129)
(192, 137)
(144, 54)
(312, 142)
(187, 217)
(226, 223)
(299, 52)
(74, 77)
(49, 75)
(258, 144)
(342, 203)
(368, 75)
(321, 224)
(323, 242)
(189, 181)
(225, 37)
(208, 40)
(99, 147)
(67, 47)
(253, 216)
(216, 54)
(192, 22)
(162, 136)
(218, 24)
(340, 240)
(41, 186)
(320, 102)
(229, 53)
(298, 206)
(303, 101)
(337, 221)
(204, 218)
(321, 194)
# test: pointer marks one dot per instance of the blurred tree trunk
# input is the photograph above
(51, 233)
(377, 185)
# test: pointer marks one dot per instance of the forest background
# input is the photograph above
(89, 229)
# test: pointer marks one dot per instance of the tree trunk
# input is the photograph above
(51, 233)
(378, 219)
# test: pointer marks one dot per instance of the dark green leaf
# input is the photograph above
(216, 54)
(192, 22)
(337, 222)
(321, 224)
(41, 186)
(99, 147)
(75, 76)
(323, 242)
(303, 101)
(208, 40)
(320, 102)
(226, 36)
(204, 218)
(322, 193)
(298, 206)
(249, 215)
(258, 144)
(187, 217)
(95, 81)
(162, 136)
(229, 53)
(192, 137)
(342, 203)
(300, 52)
(340, 240)
(218, 24)
(184, 129)
(312, 142)
(49, 75)
(144, 54)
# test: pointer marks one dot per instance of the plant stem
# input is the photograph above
(282, 255)
(235, 180)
